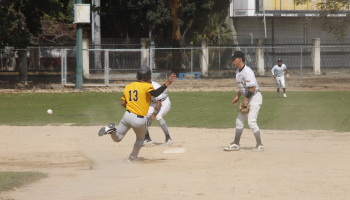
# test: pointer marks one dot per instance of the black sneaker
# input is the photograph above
(107, 130)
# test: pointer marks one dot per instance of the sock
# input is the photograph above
(238, 136)
(147, 136)
(284, 90)
(162, 124)
(278, 90)
(257, 137)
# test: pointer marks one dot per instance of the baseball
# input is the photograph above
(49, 111)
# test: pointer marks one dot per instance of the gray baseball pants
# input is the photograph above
(131, 120)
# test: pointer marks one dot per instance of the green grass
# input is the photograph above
(322, 110)
(11, 180)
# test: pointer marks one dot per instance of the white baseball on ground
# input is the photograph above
(49, 111)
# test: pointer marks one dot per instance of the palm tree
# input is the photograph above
(215, 31)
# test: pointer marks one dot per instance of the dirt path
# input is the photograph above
(81, 165)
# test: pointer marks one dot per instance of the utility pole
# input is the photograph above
(79, 59)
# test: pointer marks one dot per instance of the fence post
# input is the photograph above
(106, 67)
(2, 68)
(144, 54)
(316, 56)
(26, 53)
(191, 63)
(204, 58)
(260, 57)
(39, 58)
(301, 65)
(86, 59)
(65, 66)
(62, 66)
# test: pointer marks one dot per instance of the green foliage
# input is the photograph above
(158, 12)
(19, 19)
(214, 29)
(337, 27)
(12, 180)
(319, 110)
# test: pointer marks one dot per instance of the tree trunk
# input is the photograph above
(176, 6)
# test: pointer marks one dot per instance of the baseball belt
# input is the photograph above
(139, 116)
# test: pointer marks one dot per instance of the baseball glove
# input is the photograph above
(148, 121)
(243, 107)
(287, 75)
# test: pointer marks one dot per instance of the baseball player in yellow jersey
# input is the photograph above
(136, 99)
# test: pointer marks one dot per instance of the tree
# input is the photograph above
(336, 27)
(21, 19)
(215, 29)
(164, 13)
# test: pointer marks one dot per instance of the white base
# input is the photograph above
(175, 150)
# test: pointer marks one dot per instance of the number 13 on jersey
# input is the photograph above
(135, 95)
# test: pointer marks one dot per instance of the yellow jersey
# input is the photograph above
(137, 97)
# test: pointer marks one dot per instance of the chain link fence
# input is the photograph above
(113, 67)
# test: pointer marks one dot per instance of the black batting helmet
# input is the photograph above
(144, 73)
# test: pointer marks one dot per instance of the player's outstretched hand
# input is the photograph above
(171, 78)
(235, 101)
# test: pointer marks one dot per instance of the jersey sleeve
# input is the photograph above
(273, 70)
(123, 97)
(285, 67)
(156, 86)
(251, 80)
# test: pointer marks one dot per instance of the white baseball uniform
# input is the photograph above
(279, 71)
(166, 104)
(246, 79)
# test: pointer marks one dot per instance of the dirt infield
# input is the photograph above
(81, 165)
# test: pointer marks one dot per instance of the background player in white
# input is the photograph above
(249, 88)
(159, 107)
(278, 74)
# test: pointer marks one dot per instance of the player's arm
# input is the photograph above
(235, 100)
(249, 94)
(287, 71)
(273, 73)
(123, 103)
(156, 109)
(161, 89)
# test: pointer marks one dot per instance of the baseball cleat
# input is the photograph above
(107, 130)
(259, 147)
(168, 141)
(147, 141)
(284, 95)
(130, 159)
(232, 147)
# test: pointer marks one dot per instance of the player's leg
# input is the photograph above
(283, 86)
(148, 139)
(255, 105)
(278, 85)
(166, 104)
(123, 128)
(140, 129)
(239, 130)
